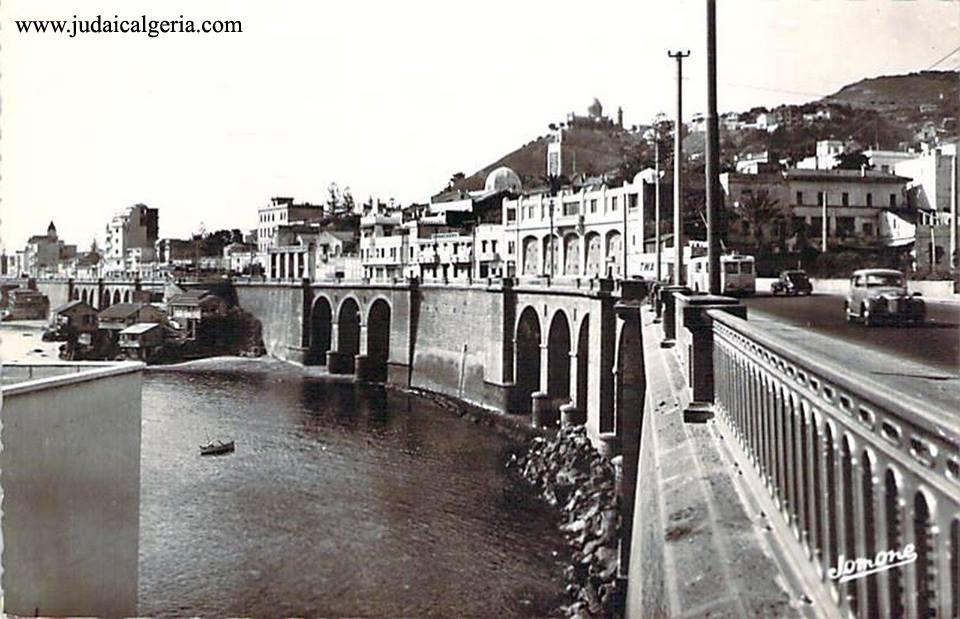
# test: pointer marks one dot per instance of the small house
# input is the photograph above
(75, 316)
(141, 340)
(119, 316)
(192, 307)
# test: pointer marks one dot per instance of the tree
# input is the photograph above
(853, 161)
(759, 210)
(334, 199)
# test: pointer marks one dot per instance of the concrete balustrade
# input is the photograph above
(855, 469)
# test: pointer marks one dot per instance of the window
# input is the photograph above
(483, 246)
(893, 199)
(593, 205)
(746, 267)
(867, 229)
(821, 196)
(613, 203)
(845, 199)
(869, 199)
(510, 247)
(493, 246)
(633, 200)
(799, 198)
(730, 268)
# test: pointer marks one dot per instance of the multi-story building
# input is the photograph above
(283, 211)
(44, 254)
(458, 236)
(935, 193)
(131, 236)
(864, 207)
(587, 231)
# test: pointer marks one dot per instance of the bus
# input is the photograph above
(737, 274)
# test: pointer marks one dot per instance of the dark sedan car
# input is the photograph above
(792, 283)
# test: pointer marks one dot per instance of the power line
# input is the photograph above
(947, 55)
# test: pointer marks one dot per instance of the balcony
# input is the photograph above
(70, 473)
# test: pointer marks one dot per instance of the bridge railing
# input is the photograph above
(858, 470)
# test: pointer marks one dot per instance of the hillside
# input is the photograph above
(902, 92)
(889, 112)
(589, 148)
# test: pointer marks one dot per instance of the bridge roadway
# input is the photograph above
(935, 344)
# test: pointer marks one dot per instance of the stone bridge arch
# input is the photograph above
(321, 331)
(378, 327)
(348, 322)
(527, 365)
(558, 359)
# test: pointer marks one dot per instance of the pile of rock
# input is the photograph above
(572, 476)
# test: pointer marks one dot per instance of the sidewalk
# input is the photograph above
(703, 545)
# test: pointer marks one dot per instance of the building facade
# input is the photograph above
(130, 241)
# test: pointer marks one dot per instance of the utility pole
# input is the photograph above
(954, 209)
(678, 174)
(656, 200)
(824, 226)
(713, 152)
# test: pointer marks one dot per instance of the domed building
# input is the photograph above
(503, 179)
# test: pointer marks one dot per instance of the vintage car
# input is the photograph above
(880, 295)
(792, 283)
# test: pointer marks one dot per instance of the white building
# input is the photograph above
(860, 205)
(826, 157)
(280, 212)
(576, 233)
(132, 230)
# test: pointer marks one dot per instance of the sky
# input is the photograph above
(388, 98)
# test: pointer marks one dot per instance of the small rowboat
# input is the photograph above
(216, 449)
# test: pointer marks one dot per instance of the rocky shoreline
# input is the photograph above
(573, 477)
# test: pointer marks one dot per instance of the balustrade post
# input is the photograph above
(693, 334)
(669, 317)
(631, 391)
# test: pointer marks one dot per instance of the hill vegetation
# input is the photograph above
(889, 112)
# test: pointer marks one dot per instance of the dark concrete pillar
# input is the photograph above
(364, 367)
(543, 410)
(669, 315)
(696, 336)
(631, 391)
(339, 363)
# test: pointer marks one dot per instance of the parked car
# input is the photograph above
(880, 295)
(792, 283)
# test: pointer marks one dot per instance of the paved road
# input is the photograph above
(935, 344)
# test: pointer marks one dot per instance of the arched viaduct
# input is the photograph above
(546, 350)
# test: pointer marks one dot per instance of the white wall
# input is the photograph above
(70, 473)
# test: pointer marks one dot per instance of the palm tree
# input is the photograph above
(759, 210)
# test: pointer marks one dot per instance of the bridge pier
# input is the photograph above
(339, 363)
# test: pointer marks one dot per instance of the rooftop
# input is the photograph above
(121, 310)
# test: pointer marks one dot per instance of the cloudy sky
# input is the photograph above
(387, 97)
